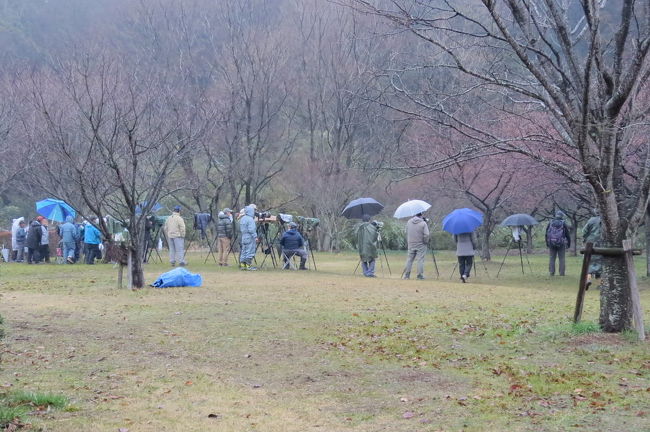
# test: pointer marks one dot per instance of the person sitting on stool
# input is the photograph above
(293, 244)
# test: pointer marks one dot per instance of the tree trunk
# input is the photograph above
(647, 242)
(137, 271)
(615, 301)
(485, 245)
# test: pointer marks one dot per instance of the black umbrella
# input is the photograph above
(360, 206)
(519, 219)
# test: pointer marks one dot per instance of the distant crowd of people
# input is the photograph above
(31, 242)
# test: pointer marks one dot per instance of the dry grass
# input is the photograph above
(322, 351)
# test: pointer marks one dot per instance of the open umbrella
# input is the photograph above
(411, 208)
(519, 219)
(54, 209)
(360, 206)
(154, 208)
(462, 221)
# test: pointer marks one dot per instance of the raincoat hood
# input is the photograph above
(69, 219)
(249, 211)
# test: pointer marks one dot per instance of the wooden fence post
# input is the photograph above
(637, 313)
(582, 288)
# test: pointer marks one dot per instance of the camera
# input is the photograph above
(378, 224)
(285, 218)
(307, 223)
(263, 215)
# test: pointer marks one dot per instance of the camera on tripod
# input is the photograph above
(378, 224)
(263, 215)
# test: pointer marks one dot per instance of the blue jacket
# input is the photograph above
(247, 226)
(68, 231)
(92, 235)
(291, 240)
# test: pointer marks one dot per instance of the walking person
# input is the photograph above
(558, 239)
(465, 250)
(417, 235)
(367, 238)
(92, 239)
(591, 233)
(224, 234)
(249, 239)
(175, 230)
(69, 236)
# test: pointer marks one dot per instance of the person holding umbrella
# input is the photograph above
(417, 235)
(465, 250)
(367, 237)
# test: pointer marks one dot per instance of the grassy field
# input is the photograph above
(320, 351)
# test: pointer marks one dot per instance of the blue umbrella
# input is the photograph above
(462, 221)
(55, 209)
(155, 208)
(358, 207)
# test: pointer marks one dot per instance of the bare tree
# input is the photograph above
(573, 75)
(111, 133)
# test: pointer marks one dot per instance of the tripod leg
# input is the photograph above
(485, 267)
(504, 257)
(386, 257)
(453, 270)
(521, 257)
(357, 267)
(435, 264)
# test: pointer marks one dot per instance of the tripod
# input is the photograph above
(265, 242)
(521, 257)
(152, 244)
(473, 265)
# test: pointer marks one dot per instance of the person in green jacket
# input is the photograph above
(367, 237)
(591, 233)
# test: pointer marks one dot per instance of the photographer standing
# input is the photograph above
(248, 232)
(367, 237)
(417, 234)
(224, 234)
(175, 230)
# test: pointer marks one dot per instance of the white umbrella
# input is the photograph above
(411, 208)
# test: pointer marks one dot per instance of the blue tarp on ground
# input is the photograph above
(179, 277)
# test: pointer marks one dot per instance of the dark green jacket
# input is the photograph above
(367, 241)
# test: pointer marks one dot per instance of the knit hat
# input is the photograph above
(293, 225)
(177, 208)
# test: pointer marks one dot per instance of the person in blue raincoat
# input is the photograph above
(248, 231)
(69, 236)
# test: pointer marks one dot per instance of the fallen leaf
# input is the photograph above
(213, 416)
(189, 383)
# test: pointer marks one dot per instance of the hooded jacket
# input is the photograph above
(175, 226)
(291, 240)
(68, 231)
(247, 226)
(417, 232)
(34, 235)
(224, 226)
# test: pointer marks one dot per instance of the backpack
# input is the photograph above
(555, 234)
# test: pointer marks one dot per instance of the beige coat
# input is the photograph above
(175, 226)
(417, 232)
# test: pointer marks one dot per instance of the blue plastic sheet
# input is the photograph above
(179, 277)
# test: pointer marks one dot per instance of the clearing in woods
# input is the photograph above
(320, 351)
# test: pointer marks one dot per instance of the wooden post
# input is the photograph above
(130, 268)
(582, 288)
(637, 313)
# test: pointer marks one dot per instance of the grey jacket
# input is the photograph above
(417, 232)
(465, 244)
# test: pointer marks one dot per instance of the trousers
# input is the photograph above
(415, 254)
